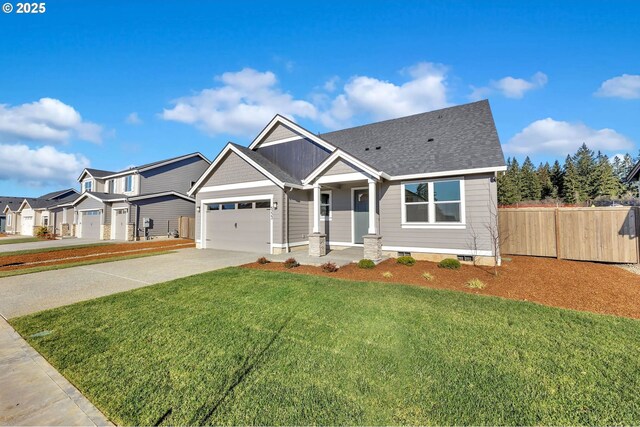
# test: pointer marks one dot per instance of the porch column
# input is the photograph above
(316, 208)
(372, 207)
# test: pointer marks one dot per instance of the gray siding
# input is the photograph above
(479, 192)
(299, 215)
(274, 190)
(176, 176)
(233, 169)
(123, 205)
(298, 158)
(164, 212)
(340, 167)
(89, 203)
(279, 132)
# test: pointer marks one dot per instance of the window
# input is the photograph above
(213, 207)
(45, 221)
(433, 202)
(325, 205)
(88, 185)
(9, 220)
(228, 206)
(128, 183)
(111, 186)
(263, 205)
(245, 205)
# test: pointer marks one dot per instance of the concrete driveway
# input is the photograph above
(29, 293)
(44, 244)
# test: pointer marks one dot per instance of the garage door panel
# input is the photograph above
(90, 227)
(238, 229)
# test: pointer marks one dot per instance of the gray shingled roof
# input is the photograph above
(12, 202)
(464, 137)
(54, 194)
(268, 165)
(99, 173)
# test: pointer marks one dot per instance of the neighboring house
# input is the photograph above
(8, 207)
(25, 216)
(113, 205)
(423, 184)
(633, 177)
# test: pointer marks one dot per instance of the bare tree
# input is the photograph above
(496, 238)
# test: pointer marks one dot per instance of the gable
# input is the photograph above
(279, 132)
(340, 167)
(298, 157)
(233, 169)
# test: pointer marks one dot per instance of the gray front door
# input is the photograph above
(360, 215)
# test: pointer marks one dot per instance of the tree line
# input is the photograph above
(584, 176)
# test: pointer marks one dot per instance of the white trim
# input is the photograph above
(162, 194)
(238, 186)
(284, 245)
(329, 179)
(281, 141)
(278, 119)
(339, 154)
(431, 206)
(316, 208)
(83, 195)
(437, 250)
(372, 229)
(203, 222)
(448, 173)
(353, 214)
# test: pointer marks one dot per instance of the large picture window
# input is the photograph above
(432, 202)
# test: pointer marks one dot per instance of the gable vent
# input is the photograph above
(366, 149)
(378, 147)
(430, 140)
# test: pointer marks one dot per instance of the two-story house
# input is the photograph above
(137, 202)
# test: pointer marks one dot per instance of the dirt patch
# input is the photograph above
(71, 255)
(585, 286)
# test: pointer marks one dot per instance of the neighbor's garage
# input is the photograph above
(90, 224)
(239, 226)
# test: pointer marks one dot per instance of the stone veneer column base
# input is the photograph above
(73, 230)
(105, 232)
(373, 247)
(130, 232)
(317, 244)
(64, 231)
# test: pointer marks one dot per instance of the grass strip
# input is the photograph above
(54, 249)
(7, 241)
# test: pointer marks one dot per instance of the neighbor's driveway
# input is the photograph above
(45, 244)
(29, 293)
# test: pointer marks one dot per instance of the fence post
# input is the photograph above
(557, 228)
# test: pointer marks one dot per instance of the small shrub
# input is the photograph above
(475, 284)
(329, 267)
(263, 260)
(406, 260)
(291, 263)
(387, 274)
(366, 263)
(42, 232)
(428, 276)
(450, 263)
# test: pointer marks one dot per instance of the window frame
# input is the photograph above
(329, 205)
(84, 185)
(8, 220)
(431, 205)
(125, 184)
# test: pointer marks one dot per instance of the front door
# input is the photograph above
(360, 214)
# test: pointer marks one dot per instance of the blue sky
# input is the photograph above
(114, 84)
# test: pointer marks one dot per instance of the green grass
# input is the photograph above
(241, 346)
(6, 241)
(53, 249)
(11, 273)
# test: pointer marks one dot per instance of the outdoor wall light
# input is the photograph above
(198, 209)
(275, 206)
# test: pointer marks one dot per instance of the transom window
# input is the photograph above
(325, 205)
(128, 183)
(433, 202)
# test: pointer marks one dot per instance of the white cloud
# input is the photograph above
(362, 95)
(558, 137)
(133, 119)
(510, 87)
(48, 120)
(626, 86)
(43, 165)
(331, 84)
(241, 105)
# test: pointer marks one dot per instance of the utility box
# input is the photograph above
(146, 222)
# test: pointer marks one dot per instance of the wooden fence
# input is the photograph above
(607, 234)
(187, 227)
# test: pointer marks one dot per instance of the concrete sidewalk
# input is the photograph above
(32, 392)
(29, 293)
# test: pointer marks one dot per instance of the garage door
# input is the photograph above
(27, 225)
(90, 225)
(242, 226)
(120, 223)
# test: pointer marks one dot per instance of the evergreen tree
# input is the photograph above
(530, 187)
(508, 193)
(557, 179)
(544, 177)
(585, 166)
(570, 182)
(607, 183)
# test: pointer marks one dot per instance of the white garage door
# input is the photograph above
(239, 226)
(120, 223)
(90, 225)
(27, 225)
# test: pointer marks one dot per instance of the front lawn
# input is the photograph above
(241, 346)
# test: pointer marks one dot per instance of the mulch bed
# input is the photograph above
(585, 286)
(71, 255)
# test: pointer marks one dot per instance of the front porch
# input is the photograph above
(339, 257)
